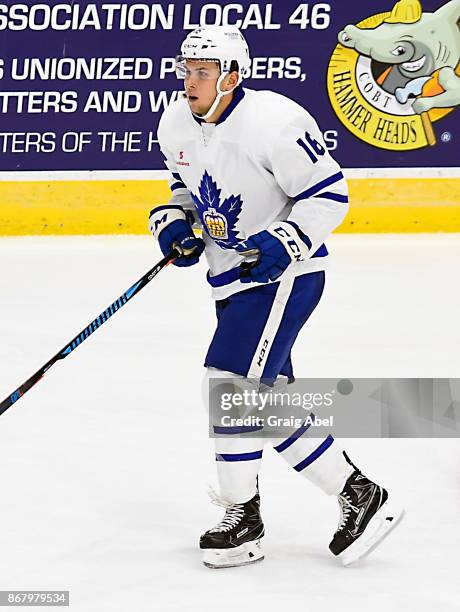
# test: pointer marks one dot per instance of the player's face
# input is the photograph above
(200, 85)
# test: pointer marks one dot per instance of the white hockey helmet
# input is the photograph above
(224, 45)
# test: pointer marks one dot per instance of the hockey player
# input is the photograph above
(251, 169)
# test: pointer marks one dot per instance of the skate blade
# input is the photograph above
(381, 525)
(246, 554)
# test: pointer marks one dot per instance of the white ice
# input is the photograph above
(104, 465)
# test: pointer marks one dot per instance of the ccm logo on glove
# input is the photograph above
(278, 246)
(296, 248)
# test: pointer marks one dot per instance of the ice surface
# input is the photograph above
(105, 463)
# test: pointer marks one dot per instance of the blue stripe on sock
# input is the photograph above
(319, 186)
(295, 436)
(237, 430)
(239, 456)
(315, 454)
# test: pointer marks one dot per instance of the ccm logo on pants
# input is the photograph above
(262, 353)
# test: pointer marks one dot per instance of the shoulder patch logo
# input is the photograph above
(218, 218)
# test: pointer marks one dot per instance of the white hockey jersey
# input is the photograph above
(262, 162)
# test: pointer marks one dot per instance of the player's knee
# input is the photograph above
(213, 381)
(221, 387)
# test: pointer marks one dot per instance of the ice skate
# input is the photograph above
(235, 540)
(367, 517)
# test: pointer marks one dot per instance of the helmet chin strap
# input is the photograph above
(219, 96)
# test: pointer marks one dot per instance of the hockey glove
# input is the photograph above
(171, 226)
(279, 245)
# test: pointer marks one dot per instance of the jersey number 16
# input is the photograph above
(311, 147)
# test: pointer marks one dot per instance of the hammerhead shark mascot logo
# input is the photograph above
(394, 74)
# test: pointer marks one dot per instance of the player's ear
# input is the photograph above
(231, 80)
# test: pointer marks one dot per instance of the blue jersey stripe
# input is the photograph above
(315, 454)
(336, 197)
(335, 178)
(295, 436)
(239, 456)
(178, 185)
(230, 276)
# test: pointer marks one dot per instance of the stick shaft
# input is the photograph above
(88, 331)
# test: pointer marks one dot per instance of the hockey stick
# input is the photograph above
(90, 329)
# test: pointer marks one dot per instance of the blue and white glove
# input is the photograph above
(278, 246)
(172, 227)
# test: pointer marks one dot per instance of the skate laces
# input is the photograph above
(345, 509)
(233, 512)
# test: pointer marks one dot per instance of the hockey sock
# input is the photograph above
(319, 460)
(238, 454)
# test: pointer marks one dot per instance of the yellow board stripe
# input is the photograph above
(403, 205)
(122, 207)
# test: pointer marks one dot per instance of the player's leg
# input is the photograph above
(368, 514)
(321, 461)
(248, 323)
(235, 540)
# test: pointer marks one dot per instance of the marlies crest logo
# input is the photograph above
(396, 73)
(218, 218)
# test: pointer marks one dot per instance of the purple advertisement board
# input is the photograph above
(83, 84)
